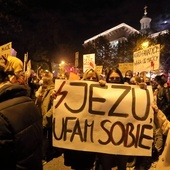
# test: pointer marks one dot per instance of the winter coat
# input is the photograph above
(46, 106)
(163, 99)
(163, 122)
(20, 130)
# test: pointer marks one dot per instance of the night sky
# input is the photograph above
(87, 18)
(91, 17)
(78, 20)
(96, 16)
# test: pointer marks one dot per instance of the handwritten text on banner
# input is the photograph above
(114, 119)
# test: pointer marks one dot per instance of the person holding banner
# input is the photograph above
(81, 160)
(108, 161)
(143, 162)
(90, 74)
(162, 98)
(44, 102)
(162, 95)
(161, 120)
(128, 76)
(163, 123)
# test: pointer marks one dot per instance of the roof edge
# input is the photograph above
(110, 30)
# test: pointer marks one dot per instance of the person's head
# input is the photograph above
(47, 81)
(164, 78)
(147, 81)
(128, 76)
(47, 73)
(161, 81)
(90, 75)
(3, 74)
(114, 76)
(135, 80)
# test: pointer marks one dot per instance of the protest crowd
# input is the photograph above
(26, 120)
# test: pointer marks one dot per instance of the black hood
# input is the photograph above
(10, 91)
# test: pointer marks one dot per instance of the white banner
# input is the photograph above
(147, 59)
(99, 70)
(5, 49)
(115, 119)
(88, 61)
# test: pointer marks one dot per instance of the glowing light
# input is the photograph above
(145, 44)
(62, 62)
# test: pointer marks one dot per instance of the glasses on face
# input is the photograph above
(114, 79)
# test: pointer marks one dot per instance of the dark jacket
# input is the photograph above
(163, 100)
(20, 130)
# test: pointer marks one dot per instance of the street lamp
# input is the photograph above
(145, 44)
(62, 62)
(62, 69)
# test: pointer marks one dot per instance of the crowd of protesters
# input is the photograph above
(26, 110)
